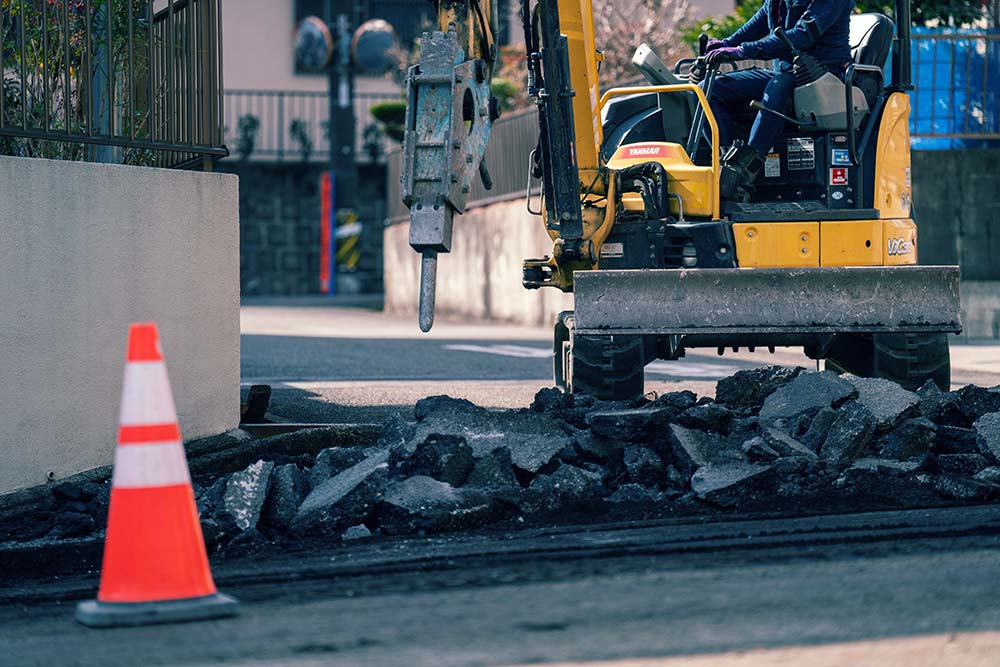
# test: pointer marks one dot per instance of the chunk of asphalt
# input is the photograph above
(732, 484)
(567, 485)
(987, 430)
(551, 399)
(748, 389)
(644, 466)
(890, 467)
(692, 449)
(357, 532)
(246, 492)
(959, 487)
(635, 425)
(962, 464)
(289, 488)
(911, 439)
(708, 417)
(675, 400)
(887, 401)
(943, 409)
(977, 401)
(989, 475)
(757, 451)
(494, 471)
(849, 435)
(819, 426)
(424, 503)
(320, 508)
(956, 440)
(333, 461)
(447, 407)
(632, 493)
(808, 393)
(786, 445)
(446, 458)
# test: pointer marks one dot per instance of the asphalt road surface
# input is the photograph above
(340, 364)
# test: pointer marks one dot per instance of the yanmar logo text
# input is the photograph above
(899, 246)
(644, 151)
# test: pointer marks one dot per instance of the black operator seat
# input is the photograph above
(871, 40)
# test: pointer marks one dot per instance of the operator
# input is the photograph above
(820, 28)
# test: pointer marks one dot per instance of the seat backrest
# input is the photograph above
(871, 38)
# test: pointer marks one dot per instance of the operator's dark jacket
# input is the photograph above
(818, 27)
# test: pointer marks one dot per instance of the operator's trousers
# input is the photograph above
(734, 91)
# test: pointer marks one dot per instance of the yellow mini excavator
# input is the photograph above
(821, 255)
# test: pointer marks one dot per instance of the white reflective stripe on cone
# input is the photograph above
(149, 465)
(146, 396)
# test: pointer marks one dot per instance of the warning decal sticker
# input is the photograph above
(838, 176)
(772, 165)
(801, 154)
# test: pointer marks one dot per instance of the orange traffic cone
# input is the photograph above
(155, 567)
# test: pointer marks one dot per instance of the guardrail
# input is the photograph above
(283, 125)
(129, 81)
(956, 101)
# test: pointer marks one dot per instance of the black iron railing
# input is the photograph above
(127, 81)
(288, 126)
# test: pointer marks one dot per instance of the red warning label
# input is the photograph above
(838, 176)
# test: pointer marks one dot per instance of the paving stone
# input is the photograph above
(849, 435)
(887, 401)
(644, 466)
(989, 475)
(962, 464)
(446, 458)
(708, 417)
(333, 461)
(732, 484)
(246, 492)
(338, 502)
(289, 488)
(955, 440)
(959, 487)
(635, 425)
(987, 430)
(808, 393)
(749, 388)
(913, 438)
(495, 470)
(786, 445)
(757, 450)
(819, 426)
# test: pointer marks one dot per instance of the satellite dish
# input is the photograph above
(313, 44)
(372, 46)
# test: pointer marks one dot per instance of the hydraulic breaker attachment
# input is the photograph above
(449, 111)
(898, 299)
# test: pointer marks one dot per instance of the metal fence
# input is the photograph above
(129, 81)
(283, 125)
(956, 101)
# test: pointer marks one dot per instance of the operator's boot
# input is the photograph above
(740, 166)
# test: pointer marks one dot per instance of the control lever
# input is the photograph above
(702, 44)
(783, 36)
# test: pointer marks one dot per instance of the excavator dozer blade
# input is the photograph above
(768, 301)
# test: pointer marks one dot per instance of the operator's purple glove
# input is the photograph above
(713, 45)
(725, 54)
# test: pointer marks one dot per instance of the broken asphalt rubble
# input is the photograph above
(774, 439)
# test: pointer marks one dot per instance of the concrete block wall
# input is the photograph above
(481, 278)
(86, 249)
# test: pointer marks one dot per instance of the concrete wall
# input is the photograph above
(481, 279)
(86, 249)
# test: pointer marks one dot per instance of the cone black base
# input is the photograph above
(96, 614)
